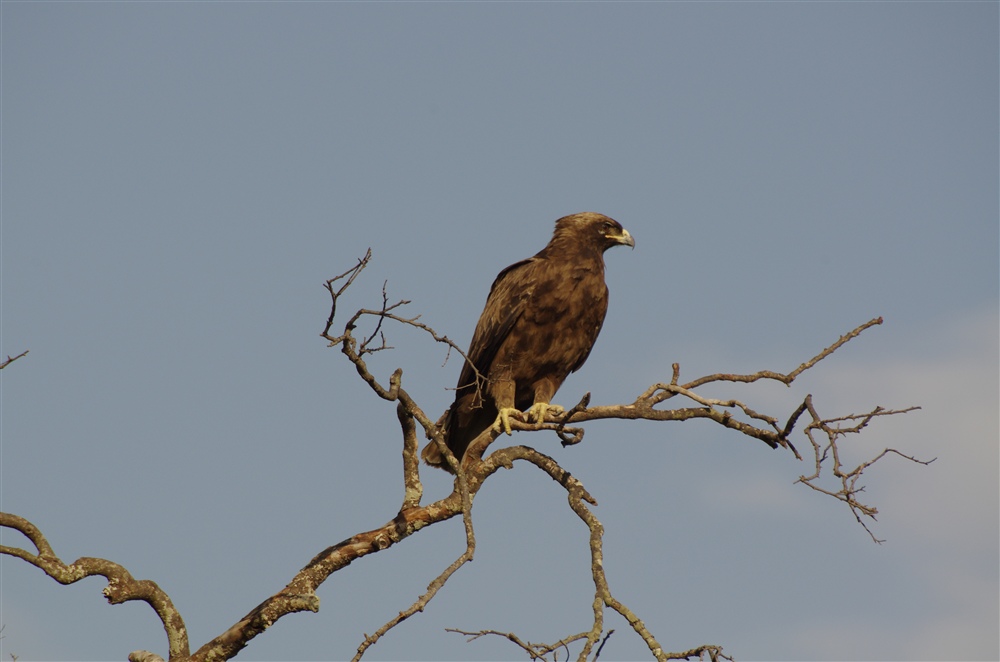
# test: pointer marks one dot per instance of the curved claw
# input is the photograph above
(502, 424)
(540, 410)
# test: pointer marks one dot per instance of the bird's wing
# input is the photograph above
(506, 303)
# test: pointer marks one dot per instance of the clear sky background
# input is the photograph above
(178, 180)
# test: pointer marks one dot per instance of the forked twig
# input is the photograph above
(10, 359)
(849, 488)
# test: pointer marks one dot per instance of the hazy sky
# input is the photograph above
(179, 178)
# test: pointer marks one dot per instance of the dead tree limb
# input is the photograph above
(10, 359)
(122, 587)
(849, 488)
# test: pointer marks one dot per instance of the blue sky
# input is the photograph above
(178, 180)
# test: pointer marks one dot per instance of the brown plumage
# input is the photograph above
(540, 322)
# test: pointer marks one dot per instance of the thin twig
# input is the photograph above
(12, 359)
(607, 636)
(351, 274)
(849, 488)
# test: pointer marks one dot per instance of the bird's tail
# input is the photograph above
(465, 420)
(432, 454)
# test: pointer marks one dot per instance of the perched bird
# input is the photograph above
(540, 322)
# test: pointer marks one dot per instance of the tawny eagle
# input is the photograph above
(540, 322)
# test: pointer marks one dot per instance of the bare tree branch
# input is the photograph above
(10, 360)
(534, 651)
(849, 488)
(144, 656)
(412, 465)
(432, 590)
(577, 496)
(413, 488)
(607, 635)
(350, 274)
(122, 587)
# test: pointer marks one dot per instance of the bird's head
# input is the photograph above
(591, 228)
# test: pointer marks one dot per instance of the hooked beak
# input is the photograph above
(626, 239)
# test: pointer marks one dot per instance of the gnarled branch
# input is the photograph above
(122, 587)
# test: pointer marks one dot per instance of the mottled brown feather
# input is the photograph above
(540, 322)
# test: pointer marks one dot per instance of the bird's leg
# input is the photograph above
(503, 394)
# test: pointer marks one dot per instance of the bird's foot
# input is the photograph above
(502, 424)
(540, 410)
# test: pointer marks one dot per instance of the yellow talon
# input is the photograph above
(536, 413)
(540, 410)
(502, 424)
